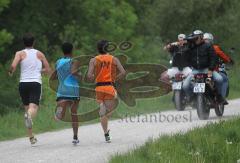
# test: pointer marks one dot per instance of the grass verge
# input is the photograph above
(218, 142)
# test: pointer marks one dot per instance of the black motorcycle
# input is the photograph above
(206, 96)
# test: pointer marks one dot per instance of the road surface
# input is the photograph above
(126, 135)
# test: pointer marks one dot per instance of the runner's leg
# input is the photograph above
(31, 110)
(63, 104)
(109, 105)
(29, 130)
(32, 97)
(75, 119)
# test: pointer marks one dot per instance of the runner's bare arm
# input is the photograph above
(46, 69)
(54, 76)
(90, 74)
(14, 64)
(120, 68)
(75, 69)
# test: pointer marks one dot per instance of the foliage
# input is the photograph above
(148, 24)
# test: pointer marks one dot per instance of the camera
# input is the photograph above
(191, 38)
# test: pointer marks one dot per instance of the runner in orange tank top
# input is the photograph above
(103, 69)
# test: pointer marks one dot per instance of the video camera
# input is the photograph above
(191, 38)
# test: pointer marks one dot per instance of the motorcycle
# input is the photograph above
(206, 96)
(179, 97)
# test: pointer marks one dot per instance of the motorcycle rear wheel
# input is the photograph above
(178, 100)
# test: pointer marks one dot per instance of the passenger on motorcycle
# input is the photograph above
(203, 60)
(179, 52)
(222, 60)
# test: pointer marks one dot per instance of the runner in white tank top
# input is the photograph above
(31, 67)
(31, 61)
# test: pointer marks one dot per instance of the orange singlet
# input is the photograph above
(105, 72)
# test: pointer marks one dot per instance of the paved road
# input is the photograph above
(127, 134)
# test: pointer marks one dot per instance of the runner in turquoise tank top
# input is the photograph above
(68, 96)
(68, 87)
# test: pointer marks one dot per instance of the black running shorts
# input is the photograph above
(68, 98)
(30, 92)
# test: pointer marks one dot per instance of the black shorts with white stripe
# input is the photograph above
(30, 92)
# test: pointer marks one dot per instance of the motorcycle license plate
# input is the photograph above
(199, 88)
(177, 86)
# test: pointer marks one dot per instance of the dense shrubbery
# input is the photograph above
(145, 23)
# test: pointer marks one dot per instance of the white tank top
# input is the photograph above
(31, 67)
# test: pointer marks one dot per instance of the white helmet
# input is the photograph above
(208, 36)
(181, 36)
(197, 32)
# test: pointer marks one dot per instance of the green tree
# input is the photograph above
(111, 20)
(5, 37)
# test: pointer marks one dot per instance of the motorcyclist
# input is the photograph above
(222, 60)
(203, 60)
(179, 52)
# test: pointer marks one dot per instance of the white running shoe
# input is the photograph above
(107, 137)
(33, 140)
(28, 120)
(75, 141)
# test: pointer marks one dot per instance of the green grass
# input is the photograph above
(219, 142)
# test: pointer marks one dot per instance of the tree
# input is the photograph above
(5, 37)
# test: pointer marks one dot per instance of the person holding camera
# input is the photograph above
(180, 52)
(203, 60)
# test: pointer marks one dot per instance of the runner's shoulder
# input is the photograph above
(115, 60)
(92, 60)
(21, 54)
(40, 55)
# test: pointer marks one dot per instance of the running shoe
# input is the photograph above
(75, 141)
(33, 140)
(107, 137)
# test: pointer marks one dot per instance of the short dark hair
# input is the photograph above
(67, 48)
(28, 39)
(102, 46)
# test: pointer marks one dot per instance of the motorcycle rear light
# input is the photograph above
(179, 77)
(200, 76)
